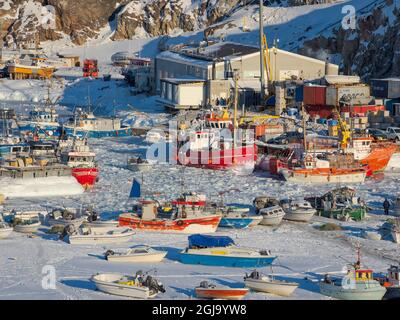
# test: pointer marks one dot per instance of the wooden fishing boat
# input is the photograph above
(341, 204)
(137, 254)
(272, 216)
(324, 175)
(85, 235)
(128, 286)
(298, 210)
(262, 283)
(358, 284)
(145, 218)
(392, 283)
(210, 291)
(5, 230)
(221, 251)
(139, 164)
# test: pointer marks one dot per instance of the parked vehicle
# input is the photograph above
(393, 133)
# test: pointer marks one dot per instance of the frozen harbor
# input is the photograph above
(304, 253)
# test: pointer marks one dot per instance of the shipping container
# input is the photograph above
(386, 88)
(361, 110)
(337, 94)
(314, 95)
(299, 95)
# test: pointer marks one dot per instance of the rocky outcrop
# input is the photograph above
(371, 50)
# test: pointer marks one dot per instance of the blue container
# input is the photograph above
(299, 94)
(321, 120)
(235, 223)
(332, 123)
(226, 261)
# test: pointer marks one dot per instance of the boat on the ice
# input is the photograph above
(358, 284)
(211, 291)
(5, 230)
(87, 125)
(324, 175)
(86, 235)
(82, 162)
(182, 220)
(137, 254)
(26, 225)
(222, 251)
(65, 217)
(42, 120)
(136, 286)
(298, 210)
(396, 230)
(271, 216)
(392, 283)
(139, 164)
(341, 204)
(238, 218)
(268, 284)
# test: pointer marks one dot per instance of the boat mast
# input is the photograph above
(261, 34)
(304, 127)
(235, 105)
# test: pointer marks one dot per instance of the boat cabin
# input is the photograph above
(364, 275)
(46, 115)
(394, 276)
(89, 122)
(40, 149)
(217, 121)
(203, 140)
(361, 147)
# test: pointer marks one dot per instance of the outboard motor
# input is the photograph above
(68, 231)
(153, 284)
(109, 253)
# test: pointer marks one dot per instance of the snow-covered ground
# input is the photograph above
(304, 252)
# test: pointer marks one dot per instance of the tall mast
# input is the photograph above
(261, 26)
(304, 127)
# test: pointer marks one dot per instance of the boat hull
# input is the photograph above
(284, 289)
(379, 157)
(87, 177)
(99, 134)
(320, 176)
(27, 228)
(103, 283)
(375, 293)
(356, 214)
(226, 261)
(235, 223)
(299, 217)
(242, 159)
(207, 224)
(229, 294)
(5, 232)
(138, 258)
(101, 239)
(394, 163)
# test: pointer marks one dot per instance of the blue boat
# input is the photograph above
(235, 222)
(222, 251)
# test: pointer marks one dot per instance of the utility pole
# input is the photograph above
(262, 78)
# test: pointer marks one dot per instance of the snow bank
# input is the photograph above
(40, 187)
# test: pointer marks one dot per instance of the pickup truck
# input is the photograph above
(393, 133)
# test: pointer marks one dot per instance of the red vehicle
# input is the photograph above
(90, 68)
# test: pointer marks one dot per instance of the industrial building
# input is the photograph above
(215, 66)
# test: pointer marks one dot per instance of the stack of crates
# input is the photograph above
(333, 128)
(90, 68)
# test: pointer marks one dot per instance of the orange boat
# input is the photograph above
(211, 291)
(374, 154)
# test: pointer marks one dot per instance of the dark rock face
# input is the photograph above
(82, 20)
(371, 50)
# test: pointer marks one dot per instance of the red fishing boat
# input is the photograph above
(183, 220)
(82, 162)
(210, 291)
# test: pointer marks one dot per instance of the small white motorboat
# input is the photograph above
(128, 286)
(86, 235)
(65, 217)
(298, 210)
(137, 254)
(262, 283)
(5, 230)
(139, 164)
(271, 216)
(27, 226)
(102, 224)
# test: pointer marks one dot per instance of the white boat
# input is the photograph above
(27, 226)
(271, 216)
(139, 164)
(303, 176)
(128, 286)
(5, 230)
(85, 235)
(137, 254)
(298, 210)
(268, 284)
(65, 217)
